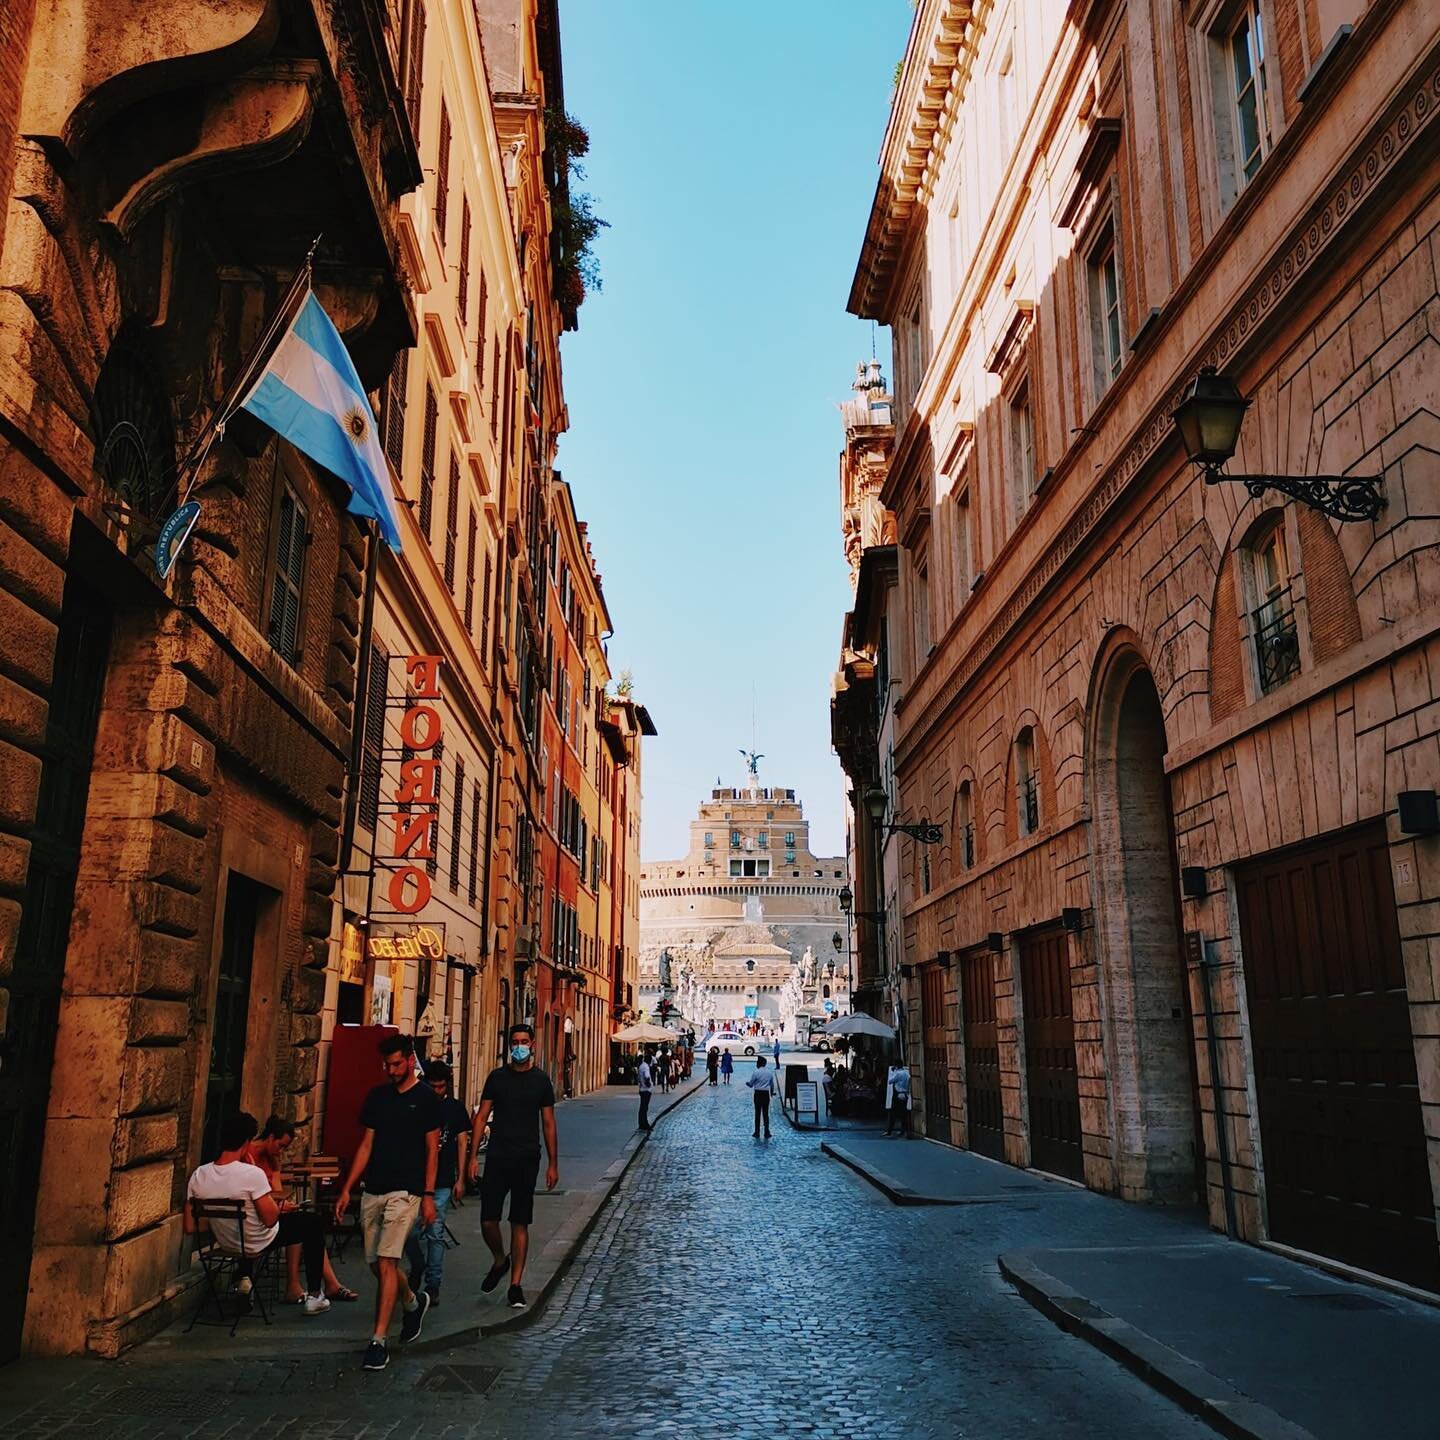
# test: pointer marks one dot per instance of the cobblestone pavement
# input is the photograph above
(733, 1288)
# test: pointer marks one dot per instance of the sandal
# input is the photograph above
(343, 1293)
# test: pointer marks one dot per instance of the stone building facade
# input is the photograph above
(749, 906)
(173, 749)
(1190, 944)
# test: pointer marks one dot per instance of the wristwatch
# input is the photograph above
(430, 1193)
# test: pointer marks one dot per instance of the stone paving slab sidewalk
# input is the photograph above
(1258, 1345)
(598, 1141)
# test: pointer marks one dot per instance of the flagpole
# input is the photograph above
(214, 428)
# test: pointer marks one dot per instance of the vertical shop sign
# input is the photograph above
(417, 793)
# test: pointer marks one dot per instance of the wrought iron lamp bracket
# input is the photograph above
(926, 834)
(1342, 497)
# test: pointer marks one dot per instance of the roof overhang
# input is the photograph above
(932, 57)
(879, 567)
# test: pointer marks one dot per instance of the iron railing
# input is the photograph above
(1277, 642)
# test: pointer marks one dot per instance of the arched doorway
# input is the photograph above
(1149, 1036)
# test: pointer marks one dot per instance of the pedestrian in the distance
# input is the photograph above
(522, 1100)
(897, 1100)
(399, 1155)
(712, 1065)
(777, 1049)
(645, 1081)
(762, 1086)
(727, 1065)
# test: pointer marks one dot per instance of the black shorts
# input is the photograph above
(512, 1175)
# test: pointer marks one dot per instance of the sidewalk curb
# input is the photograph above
(572, 1237)
(897, 1191)
(1190, 1385)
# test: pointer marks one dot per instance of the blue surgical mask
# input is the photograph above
(519, 1053)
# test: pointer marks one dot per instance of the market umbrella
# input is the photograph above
(859, 1024)
(643, 1032)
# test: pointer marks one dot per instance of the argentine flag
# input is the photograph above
(309, 393)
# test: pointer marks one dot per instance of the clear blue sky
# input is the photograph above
(733, 151)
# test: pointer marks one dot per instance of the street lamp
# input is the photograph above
(1208, 420)
(876, 802)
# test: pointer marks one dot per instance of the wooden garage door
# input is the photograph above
(1340, 1125)
(984, 1112)
(937, 1062)
(1050, 1073)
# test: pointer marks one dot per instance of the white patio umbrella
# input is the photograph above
(860, 1024)
(643, 1032)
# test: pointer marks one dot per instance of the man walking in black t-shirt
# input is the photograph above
(523, 1101)
(398, 1155)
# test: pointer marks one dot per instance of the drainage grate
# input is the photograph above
(1338, 1300)
(464, 1379)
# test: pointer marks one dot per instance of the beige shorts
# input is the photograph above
(386, 1220)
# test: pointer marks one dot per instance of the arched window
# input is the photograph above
(1272, 612)
(134, 439)
(965, 825)
(1027, 783)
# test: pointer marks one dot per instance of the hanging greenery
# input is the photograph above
(577, 267)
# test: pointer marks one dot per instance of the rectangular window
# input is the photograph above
(1105, 322)
(963, 571)
(376, 685)
(1005, 108)
(1022, 446)
(433, 863)
(473, 888)
(1250, 94)
(734, 839)
(427, 461)
(485, 610)
(921, 600)
(709, 840)
(392, 410)
(480, 312)
(789, 839)
(412, 45)
(764, 840)
(452, 522)
(442, 175)
(457, 823)
(288, 559)
(471, 531)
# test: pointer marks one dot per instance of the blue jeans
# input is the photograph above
(425, 1245)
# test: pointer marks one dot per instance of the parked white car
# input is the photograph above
(726, 1040)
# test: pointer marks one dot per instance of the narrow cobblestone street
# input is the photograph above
(733, 1288)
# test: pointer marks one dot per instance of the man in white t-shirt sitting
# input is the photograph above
(232, 1177)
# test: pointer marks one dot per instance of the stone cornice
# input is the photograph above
(927, 77)
(1294, 264)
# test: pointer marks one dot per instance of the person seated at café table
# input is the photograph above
(268, 1152)
(231, 1177)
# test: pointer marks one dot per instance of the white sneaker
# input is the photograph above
(316, 1304)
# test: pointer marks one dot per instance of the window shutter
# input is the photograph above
(452, 522)
(480, 327)
(457, 823)
(438, 756)
(485, 610)
(415, 63)
(470, 528)
(442, 175)
(427, 462)
(474, 887)
(289, 573)
(394, 426)
(494, 386)
(376, 686)
(463, 287)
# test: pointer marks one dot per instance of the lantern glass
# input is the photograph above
(847, 898)
(875, 803)
(1209, 418)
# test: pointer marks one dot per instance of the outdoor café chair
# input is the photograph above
(223, 1268)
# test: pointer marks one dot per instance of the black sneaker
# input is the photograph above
(515, 1298)
(412, 1320)
(495, 1274)
(377, 1356)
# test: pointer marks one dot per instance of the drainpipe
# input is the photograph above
(1222, 1142)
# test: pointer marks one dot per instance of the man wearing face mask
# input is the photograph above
(523, 1101)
